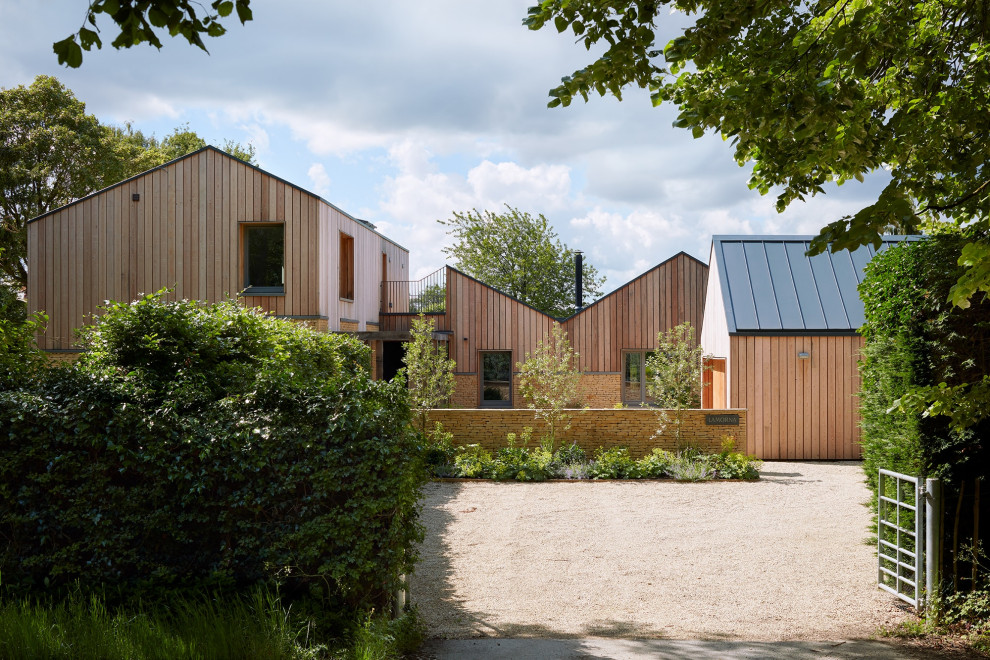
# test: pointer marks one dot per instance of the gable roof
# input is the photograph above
(619, 288)
(769, 286)
(223, 153)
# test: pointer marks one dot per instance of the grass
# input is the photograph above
(254, 626)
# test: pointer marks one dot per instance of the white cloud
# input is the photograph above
(320, 179)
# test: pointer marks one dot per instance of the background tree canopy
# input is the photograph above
(520, 255)
(138, 21)
(52, 152)
(817, 92)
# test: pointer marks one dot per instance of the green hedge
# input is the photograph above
(208, 447)
(915, 337)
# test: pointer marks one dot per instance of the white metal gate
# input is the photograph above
(900, 540)
(908, 536)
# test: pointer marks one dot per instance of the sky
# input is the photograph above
(402, 113)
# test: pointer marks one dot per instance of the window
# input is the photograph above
(264, 259)
(496, 379)
(346, 266)
(634, 376)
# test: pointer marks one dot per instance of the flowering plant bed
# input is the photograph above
(445, 460)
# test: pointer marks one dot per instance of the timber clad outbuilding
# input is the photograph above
(490, 332)
(209, 226)
(783, 330)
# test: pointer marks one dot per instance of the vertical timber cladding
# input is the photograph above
(630, 317)
(484, 319)
(798, 408)
(183, 231)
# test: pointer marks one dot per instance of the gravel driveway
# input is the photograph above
(784, 558)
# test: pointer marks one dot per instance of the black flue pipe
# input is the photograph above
(578, 279)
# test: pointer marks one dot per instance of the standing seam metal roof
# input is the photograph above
(770, 286)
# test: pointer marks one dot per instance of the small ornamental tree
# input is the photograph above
(673, 377)
(549, 380)
(428, 371)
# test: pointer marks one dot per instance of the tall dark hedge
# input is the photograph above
(915, 337)
(198, 447)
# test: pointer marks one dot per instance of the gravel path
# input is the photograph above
(784, 558)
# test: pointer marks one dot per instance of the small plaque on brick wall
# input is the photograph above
(722, 420)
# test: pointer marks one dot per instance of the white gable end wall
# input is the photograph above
(714, 329)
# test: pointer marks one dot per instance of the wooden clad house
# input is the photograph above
(488, 332)
(783, 330)
(210, 226)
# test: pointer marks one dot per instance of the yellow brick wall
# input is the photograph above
(319, 325)
(596, 391)
(465, 391)
(592, 428)
(601, 390)
(349, 326)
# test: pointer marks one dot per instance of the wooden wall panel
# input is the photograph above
(630, 317)
(185, 232)
(798, 408)
(489, 320)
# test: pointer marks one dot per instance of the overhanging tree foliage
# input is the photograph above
(52, 152)
(520, 255)
(818, 92)
(140, 20)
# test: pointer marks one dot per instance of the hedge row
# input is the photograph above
(208, 447)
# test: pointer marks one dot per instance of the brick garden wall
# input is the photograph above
(591, 428)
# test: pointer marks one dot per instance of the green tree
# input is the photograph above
(817, 92)
(549, 381)
(428, 371)
(520, 255)
(673, 377)
(52, 152)
(140, 20)
(431, 300)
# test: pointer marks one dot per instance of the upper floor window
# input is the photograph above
(264, 258)
(346, 266)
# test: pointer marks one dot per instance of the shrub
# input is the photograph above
(613, 463)
(197, 447)
(689, 466)
(440, 453)
(569, 454)
(656, 464)
(473, 461)
(734, 465)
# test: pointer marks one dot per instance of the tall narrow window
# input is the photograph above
(264, 259)
(346, 266)
(496, 379)
(634, 377)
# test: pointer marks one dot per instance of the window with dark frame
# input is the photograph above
(264, 259)
(634, 377)
(346, 266)
(496, 379)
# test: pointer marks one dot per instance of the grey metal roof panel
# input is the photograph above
(769, 285)
(739, 288)
(785, 293)
(812, 314)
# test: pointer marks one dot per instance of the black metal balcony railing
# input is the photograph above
(425, 296)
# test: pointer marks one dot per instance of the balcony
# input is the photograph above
(425, 296)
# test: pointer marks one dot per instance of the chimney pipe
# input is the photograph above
(578, 279)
